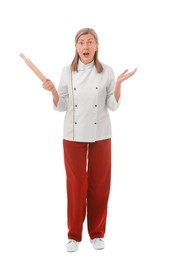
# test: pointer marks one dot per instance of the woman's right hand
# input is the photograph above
(48, 85)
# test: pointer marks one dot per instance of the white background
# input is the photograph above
(32, 178)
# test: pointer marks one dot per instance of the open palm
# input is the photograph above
(125, 75)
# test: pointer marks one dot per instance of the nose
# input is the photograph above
(85, 45)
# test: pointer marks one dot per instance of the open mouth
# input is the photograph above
(86, 54)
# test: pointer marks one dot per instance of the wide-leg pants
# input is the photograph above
(88, 172)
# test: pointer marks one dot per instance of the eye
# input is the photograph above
(80, 43)
(89, 42)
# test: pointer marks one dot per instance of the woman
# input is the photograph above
(86, 91)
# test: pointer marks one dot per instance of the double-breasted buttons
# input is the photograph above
(85, 100)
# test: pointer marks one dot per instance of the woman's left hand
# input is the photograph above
(120, 79)
(125, 76)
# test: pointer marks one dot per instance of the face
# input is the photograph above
(86, 47)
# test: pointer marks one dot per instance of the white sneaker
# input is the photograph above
(72, 245)
(98, 243)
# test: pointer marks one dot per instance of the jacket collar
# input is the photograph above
(82, 66)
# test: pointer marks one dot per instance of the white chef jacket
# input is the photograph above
(86, 96)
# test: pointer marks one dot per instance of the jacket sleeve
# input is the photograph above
(63, 94)
(111, 101)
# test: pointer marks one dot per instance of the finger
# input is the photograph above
(124, 72)
(46, 81)
(130, 74)
(134, 70)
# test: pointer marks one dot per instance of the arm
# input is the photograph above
(111, 102)
(55, 96)
(48, 85)
(120, 79)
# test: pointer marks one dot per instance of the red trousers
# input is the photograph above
(88, 171)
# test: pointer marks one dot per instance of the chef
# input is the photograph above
(86, 92)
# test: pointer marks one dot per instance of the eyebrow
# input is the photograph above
(87, 39)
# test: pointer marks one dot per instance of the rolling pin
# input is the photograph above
(33, 68)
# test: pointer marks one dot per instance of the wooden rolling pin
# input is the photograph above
(33, 68)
